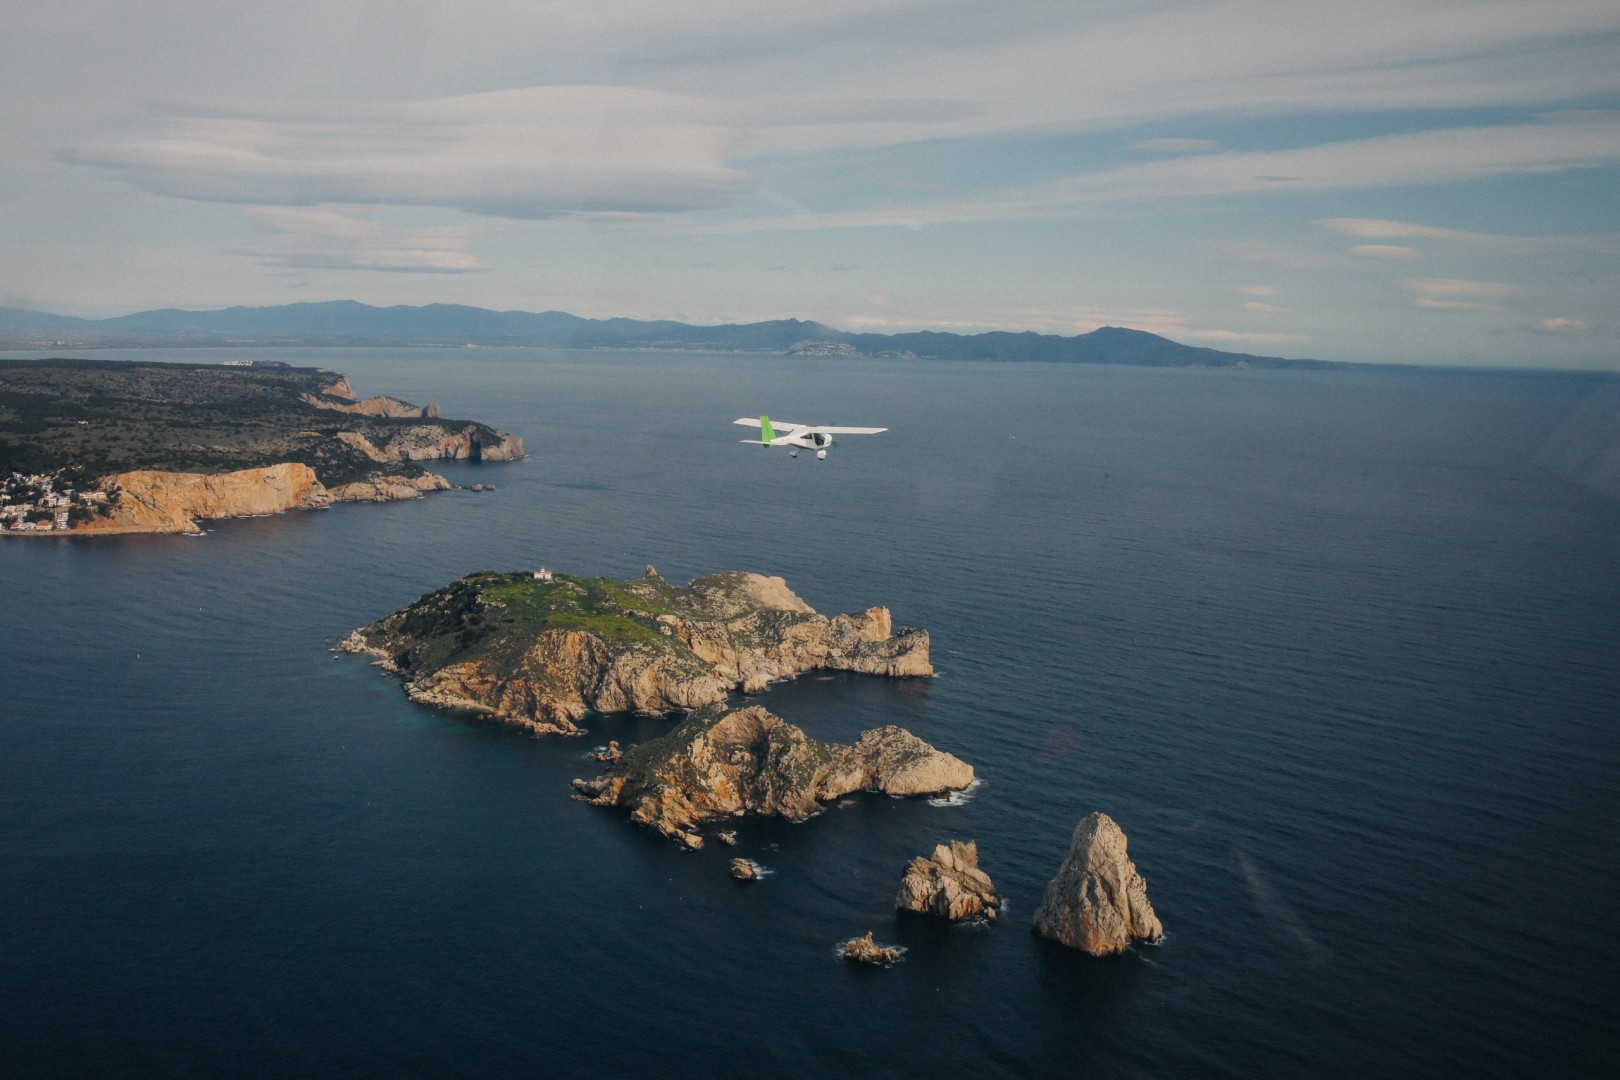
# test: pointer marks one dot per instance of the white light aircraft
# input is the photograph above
(798, 437)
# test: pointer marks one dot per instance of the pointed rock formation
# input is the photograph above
(949, 885)
(1097, 902)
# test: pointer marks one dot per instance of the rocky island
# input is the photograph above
(863, 950)
(949, 885)
(103, 446)
(719, 764)
(1097, 902)
(543, 650)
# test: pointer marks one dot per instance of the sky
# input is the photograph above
(1420, 181)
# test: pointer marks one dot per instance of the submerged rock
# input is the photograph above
(720, 764)
(1097, 902)
(949, 884)
(863, 950)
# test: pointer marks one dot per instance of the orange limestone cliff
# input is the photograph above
(150, 500)
(154, 501)
(126, 449)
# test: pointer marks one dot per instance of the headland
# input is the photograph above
(100, 446)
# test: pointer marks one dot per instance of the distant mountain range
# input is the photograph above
(348, 323)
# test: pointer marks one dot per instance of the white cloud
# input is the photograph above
(1385, 251)
(290, 219)
(1102, 66)
(324, 239)
(529, 153)
(1239, 336)
(1380, 229)
(1443, 156)
(344, 129)
(1446, 155)
(1558, 327)
(1264, 308)
(1259, 290)
(1457, 287)
(1456, 294)
(667, 104)
(1177, 146)
(1441, 303)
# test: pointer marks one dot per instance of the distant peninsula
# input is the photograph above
(100, 446)
(348, 323)
(542, 649)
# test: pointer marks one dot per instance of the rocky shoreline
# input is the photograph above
(949, 885)
(248, 442)
(544, 650)
(717, 765)
(544, 653)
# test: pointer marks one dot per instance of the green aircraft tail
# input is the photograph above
(766, 432)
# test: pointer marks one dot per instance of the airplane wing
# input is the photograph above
(839, 430)
(781, 428)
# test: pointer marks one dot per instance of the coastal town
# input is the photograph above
(54, 501)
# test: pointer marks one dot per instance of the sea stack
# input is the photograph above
(949, 885)
(1097, 902)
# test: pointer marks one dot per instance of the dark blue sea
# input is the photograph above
(1339, 650)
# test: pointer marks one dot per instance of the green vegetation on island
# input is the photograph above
(495, 618)
(544, 649)
(107, 417)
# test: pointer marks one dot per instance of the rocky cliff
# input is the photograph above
(544, 653)
(948, 884)
(150, 500)
(447, 441)
(183, 443)
(431, 442)
(720, 764)
(155, 501)
(388, 488)
(434, 442)
(1097, 902)
(382, 405)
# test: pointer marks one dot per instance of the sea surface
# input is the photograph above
(1339, 650)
